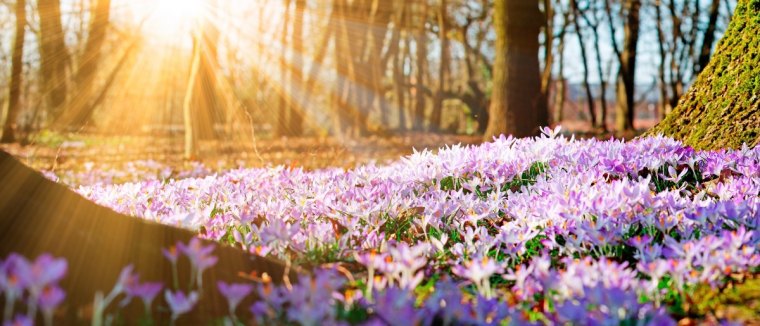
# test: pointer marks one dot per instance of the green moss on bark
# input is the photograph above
(722, 108)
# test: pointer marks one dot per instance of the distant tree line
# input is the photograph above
(357, 67)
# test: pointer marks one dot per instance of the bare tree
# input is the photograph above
(560, 88)
(584, 59)
(79, 108)
(629, 12)
(14, 90)
(516, 92)
(590, 16)
(708, 39)
(296, 111)
(421, 56)
(435, 118)
(283, 109)
(54, 55)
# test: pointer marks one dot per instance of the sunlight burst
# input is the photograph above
(170, 18)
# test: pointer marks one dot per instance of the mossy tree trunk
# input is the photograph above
(722, 108)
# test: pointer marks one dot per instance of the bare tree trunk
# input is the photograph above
(209, 105)
(584, 57)
(54, 55)
(80, 108)
(281, 112)
(630, 11)
(602, 121)
(546, 76)
(378, 61)
(708, 40)
(665, 107)
(560, 89)
(436, 116)
(516, 96)
(14, 90)
(398, 63)
(191, 137)
(418, 121)
(676, 73)
(345, 72)
(297, 111)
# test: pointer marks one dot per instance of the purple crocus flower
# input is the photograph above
(44, 271)
(12, 270)
(48, 300)
(234, 292)
(51, 297)
(126, 278)
(172, 254)
(145, 291)
(179, 303)
(51, 270)
(199, 255)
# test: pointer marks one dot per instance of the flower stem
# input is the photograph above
(175, 277)
(9, 300)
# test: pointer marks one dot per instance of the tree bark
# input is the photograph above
(418, 121)
(399, 78)
(721, 109)
(437, 114)
(516, 96)
(542, 116)
(14, 90)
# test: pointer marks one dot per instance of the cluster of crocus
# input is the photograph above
(34, 283)
(487, 217)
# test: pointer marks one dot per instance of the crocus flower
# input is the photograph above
(179, 303)
(51, 297)
(234, 292)
(145, 291)
(14, 277)
(200, 257)
(46, 270)
(172, 254)
(43, 273)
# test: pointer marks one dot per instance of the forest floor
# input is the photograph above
(56, 152)
(71, 152)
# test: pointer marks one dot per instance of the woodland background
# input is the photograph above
(201, 71)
